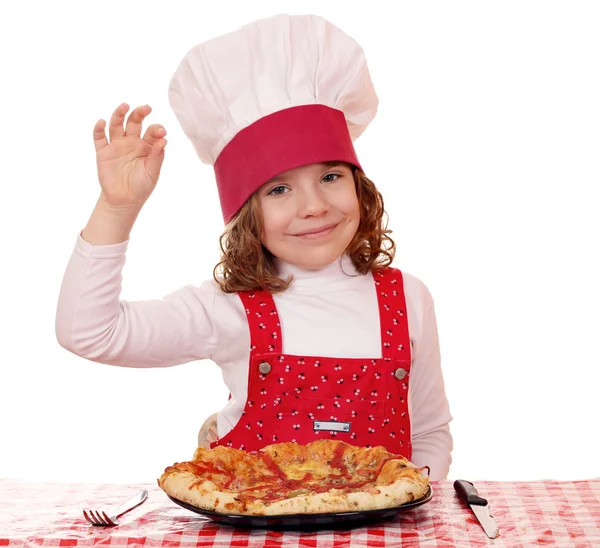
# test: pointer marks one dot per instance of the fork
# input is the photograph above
(100, 517)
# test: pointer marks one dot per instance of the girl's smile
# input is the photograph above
(317, 233)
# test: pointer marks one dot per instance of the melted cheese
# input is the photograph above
(298, 470)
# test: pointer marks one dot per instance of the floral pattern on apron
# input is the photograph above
(362, 401)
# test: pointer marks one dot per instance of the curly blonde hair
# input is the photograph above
(246, 265)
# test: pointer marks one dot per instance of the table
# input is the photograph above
(546, 513)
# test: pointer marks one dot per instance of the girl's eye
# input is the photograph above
(277, 191)
(328, 178)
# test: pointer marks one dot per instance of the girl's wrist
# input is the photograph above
(109, 224)
(124, 212)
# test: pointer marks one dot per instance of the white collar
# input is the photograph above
(340, 270)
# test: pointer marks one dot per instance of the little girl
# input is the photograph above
(317, 336)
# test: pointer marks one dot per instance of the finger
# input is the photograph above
(134, 122)
(100, 140)
(115, 127)
(155, 158)
(153, 133)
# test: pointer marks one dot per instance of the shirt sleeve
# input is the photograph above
(430, 412)
(92, 321)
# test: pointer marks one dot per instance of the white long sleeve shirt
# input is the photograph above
(323, 313)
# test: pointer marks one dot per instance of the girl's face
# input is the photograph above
(310, 214)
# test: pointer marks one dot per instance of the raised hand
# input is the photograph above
(129, 165)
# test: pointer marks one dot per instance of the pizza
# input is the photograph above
(324, 476)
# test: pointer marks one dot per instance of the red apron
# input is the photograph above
(361, 401)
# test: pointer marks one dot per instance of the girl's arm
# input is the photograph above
(92, 321)
(430, 412)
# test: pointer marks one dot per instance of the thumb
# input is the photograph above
(155, 159)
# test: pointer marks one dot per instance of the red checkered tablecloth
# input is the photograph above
(547, 513)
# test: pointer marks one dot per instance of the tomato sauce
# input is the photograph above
(278, 486)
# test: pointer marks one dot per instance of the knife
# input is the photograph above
(468, 494)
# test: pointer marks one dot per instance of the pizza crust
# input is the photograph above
(396, 482)
(205, 495)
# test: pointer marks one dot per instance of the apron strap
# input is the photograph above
(393, 318)
(263, 321)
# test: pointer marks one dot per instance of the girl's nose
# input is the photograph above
(312, 202)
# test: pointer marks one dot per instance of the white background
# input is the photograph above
(485, 146)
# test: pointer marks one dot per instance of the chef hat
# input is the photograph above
(276, 94)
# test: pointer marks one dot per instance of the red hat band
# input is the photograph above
(277, 142)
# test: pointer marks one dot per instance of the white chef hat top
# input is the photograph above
(275, 94)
